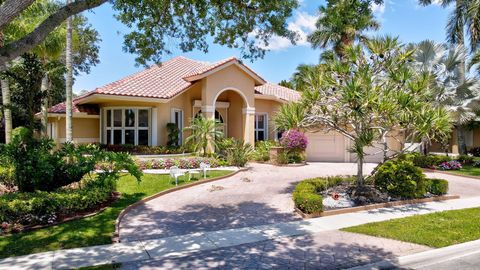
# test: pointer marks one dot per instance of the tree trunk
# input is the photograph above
(69, 80)
(385, 147)
(44, 89)
(360, 172)
(6, 109)
(462, 144)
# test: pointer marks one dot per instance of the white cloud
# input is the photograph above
(303, 24)
(378, 9)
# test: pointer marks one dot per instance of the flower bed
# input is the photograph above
(450, 165)
(142, 149)
(182, 163)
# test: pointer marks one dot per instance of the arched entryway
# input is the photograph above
(239, 116)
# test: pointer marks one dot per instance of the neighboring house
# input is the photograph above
(136, 109)
(472, 140)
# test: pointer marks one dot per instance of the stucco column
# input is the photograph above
(249, 125)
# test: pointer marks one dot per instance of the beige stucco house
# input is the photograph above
(136, 109)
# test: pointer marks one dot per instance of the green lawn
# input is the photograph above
(467, 170)
(90, 231)
(435, 230)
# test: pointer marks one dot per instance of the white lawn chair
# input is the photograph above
(175, 172)
(204, 167)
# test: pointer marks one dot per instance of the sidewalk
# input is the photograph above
(204, 241)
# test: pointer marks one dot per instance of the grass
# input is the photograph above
(434, 230)
(95, 230)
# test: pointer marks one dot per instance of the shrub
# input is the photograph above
(466, 159)
(450, 165)
(41, 207)
(437, 186)
(401, 179)
(7, 175)
(294, 140)
(475, 151)
(182, 163)
(429, 161)
(306, 193)
(37, 166)
(262, 150)
(239, 154)
(143, 149)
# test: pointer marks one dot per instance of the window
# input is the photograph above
(261, 131)
(127, 126)
(177, 119)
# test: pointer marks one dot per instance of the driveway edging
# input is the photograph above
(116, 235)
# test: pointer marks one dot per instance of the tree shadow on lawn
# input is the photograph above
(95, 230)
(299, 252)
(146, 223)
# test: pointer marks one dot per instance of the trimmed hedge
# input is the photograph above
(429, 161)
(306, 193)
(41, 207)
(400, 178)
(437, 186)
(182, 163)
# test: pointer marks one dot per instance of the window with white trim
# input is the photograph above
(127, 126)
(261, 127)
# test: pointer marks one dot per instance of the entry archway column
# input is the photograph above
(249, 125)
(209, 113)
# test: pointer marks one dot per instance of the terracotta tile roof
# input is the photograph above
(168, 80)
(158, 81)
(90, 109)
(278, 91)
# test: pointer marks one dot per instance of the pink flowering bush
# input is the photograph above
(182, 163)
(450, 165)
(294, 142)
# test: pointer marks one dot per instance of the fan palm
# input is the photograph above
(341, 23)
(203, 132)
(448, 88)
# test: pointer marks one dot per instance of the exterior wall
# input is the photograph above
(85, 130)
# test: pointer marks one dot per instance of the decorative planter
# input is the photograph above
(275, 151)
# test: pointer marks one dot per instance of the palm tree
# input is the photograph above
(69, 80)
(289, 116)
(465, 16)
(203, 132)
(7, 112)
(342, 22)
(449, 89)
(302, 73)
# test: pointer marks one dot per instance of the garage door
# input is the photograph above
(326, 147)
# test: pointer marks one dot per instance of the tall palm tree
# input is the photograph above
(342, 22)
(7, 112)
(289, 116)
(465, 16)
(449, 89)
(203, 132)
(69, 80)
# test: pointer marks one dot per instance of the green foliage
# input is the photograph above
(41, 207)
(7, 175)
(239, 153)
(475, 151)
(289, 116)
(342, 23)
(465, 159)
(38, 166)
(262, 150)
(142, 149)
(400, 179)
(428, 161)
(437, 186)
(306, 193)
(173, 135)
(203, 132)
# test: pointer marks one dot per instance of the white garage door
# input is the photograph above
(326, 147)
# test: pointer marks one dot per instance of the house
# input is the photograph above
(136, 109)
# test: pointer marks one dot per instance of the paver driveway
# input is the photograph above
(259, 196)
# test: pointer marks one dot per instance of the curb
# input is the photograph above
(116, 235)
(374, 206)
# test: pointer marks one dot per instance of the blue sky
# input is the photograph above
(403, 18)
